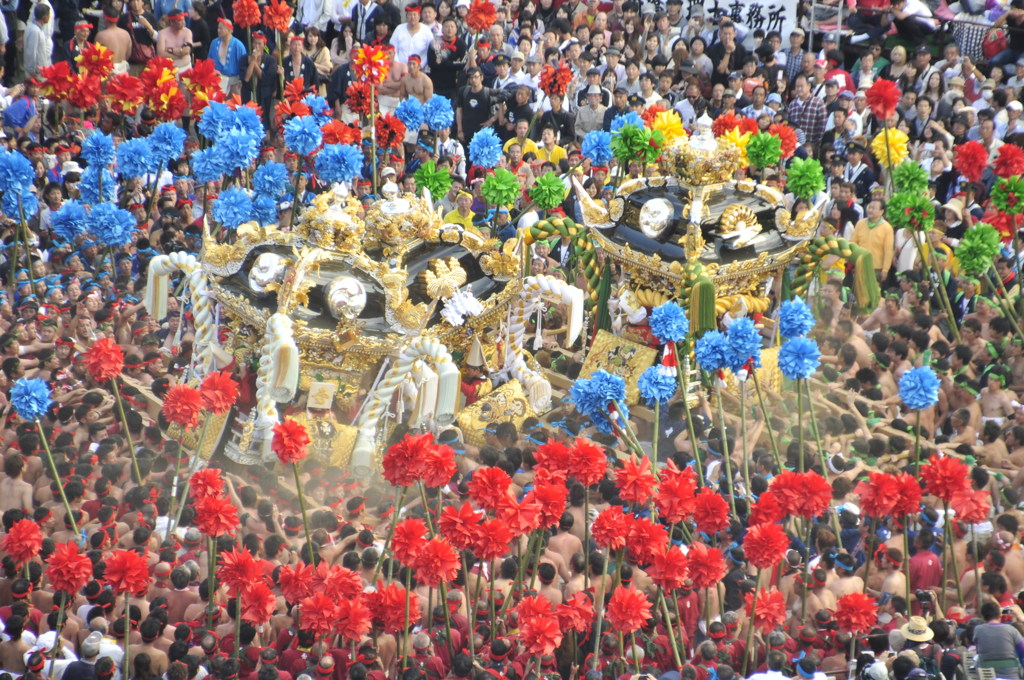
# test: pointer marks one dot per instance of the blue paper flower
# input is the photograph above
(247, 120)
(208, 165)
(91, 191)
(410, 112)
(795, 318)
(167, 142)
(70, 221)
(593, 395)
(657, 385)
(113, 226)
(624, 119)
(98, 149)
(29, 205)
(30, 398)
(264, 209)
(271, 178)
(16, 172)
(712, 351)
(919, 388)
(485, 148)
(233, 208)
(318, 108)
(302, 135)
(438, 113)
(668, 322)
(799, 357)
(237, 148)
(744, 343)
(339, 162)
(217, 118)
(135, 158)
(597, 146)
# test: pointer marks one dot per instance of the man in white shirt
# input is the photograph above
(37, 46)
(412, 37)
(776, 662)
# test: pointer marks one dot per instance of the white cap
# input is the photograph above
(44, 643)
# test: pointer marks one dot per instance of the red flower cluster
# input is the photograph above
(804, 494)
(67, 568)
(636, 480)
(576, 613)
(258, 603)
(95, 60)
(787, 136)
(878, 495)
(909, 497)
(482, 15)
(729, 121)
(521, 517)
(336, 132)
(219, 392)
(767, 509)
(387, 607)
(883, 97)
(770, 612)
(238, 570)
(58, 80)
(246, 13)
(555, 79)
(216, 516)
(676, 494)
(972, 506)
(23, 542)
(856, 613)
(707, 566)
(488, 486)
(408, 539)
(127, 572)
(336, 581)
(710, 511)
(945, 476)
(419, 458)
(588, 463)
(645, 540)
(125, 93)
(765, 545)
(202, 80)
(277, 15)
(611, 528)
(628, 609)
(436, 562)
(390, 131)
(1010, 161)
(970, 159)
(460, 525)
(668, 568)
(296, 581)
(206, 483)
(182, 405)
(492, 540)
(104, 360)
(370, 64)
(290, 441)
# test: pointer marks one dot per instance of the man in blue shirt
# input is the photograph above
(229, 57)
(23, 109)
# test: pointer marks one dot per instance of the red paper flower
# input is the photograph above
(970, 159)
(461, 526)
(493, 540)
(636, 480)
(533, 606)
(390, 131)
(219, 392)
(95, 60)
(403, 463)
(1010, 161)
(436, 562)
(588, 462)
(489, 486)
(216, 516)
(104, 360)
(787, 136)
(290, 441)
(540, 635)
(387, 607)
(805, 494)
(646, 539)
(125, 93)
(765, 545)
(202, 77)
(555, 79)
(238, 570)
(370, 64)
(856, 613)
(246, 13)
(551, 498)
(353, 619)
(182, 405)
(295, 90)
(126, 572)
(676, 493)
(167, 100)
(296, 582)
(438, 465)
(1006, 225)
(522, 517)
(710, 511)
(277, 15)
(770, 612)
(258, 602)
(85, 90)
(878, 495)
(552, 456)
(767, 509)
(58, 79)
(23, 541)
(628, 609)
(336, 581)
(154, 72)
(883, 97)
(206, 483)
(706, 565)
(668, 568)
(650, 113)
(971, 506)
(408, 539)
(319, 614)
(336, 132)
(576, 613)
(611, 528)
(482, 14)
(908, 500)
(724, 123)
(944, 476)
(67, 569)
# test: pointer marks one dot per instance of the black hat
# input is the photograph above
(854, 147)
(765, 52)
(635, 100)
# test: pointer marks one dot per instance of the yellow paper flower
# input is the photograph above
(893, 153)
(738, 140)
(670, 124)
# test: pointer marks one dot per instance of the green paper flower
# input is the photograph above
(1008, 195)
(978, 248)
(910, 177)
(908, 210)
(437, 182)
(805, 178)
(764, 149)
(635, 143)
(501, 188)
(548, 191)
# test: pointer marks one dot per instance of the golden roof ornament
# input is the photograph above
(700, 158)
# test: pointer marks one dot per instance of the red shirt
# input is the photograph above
(925, 570)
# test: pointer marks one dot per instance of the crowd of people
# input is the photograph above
(537, 580)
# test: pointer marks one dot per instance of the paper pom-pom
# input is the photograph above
(482, 14)
(428, 177)
(501, 188)
(277, 15)
(787, 138)
(1008, 195)
(945, 476)
(895, 152)
(971, 506)
(1010, 161)
(883, 97)
(878, 495)
(485, 148)
(358, 97)
(657, 385)
(70, 220)
(623, 119)
(339, 162)
(712, 351)
(795, 318)
(725, 123)
(634, 143)
(668, 322)
(770, 612)
(856, 613)
(919, 388)
(744, 343)
(910, 211)
(597, 147)
(805, 178)
(370, 64)
(799, 358)
(410, 112)
(978, 248)
(593, 395)
(910, 177)
(555, 79)
(438, 113)
(970, 160)
(670, 125)
(390, 131)
(764, 149)
(548, 191)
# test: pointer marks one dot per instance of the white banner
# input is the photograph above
(768, 15)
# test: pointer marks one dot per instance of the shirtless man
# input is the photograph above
(578, 565)
(416, 83)
(995, 401)
(548, 577)
(890, 565)
(15, 492)
(847, 581)
(117, 40)
(844, 331)
(564, 542)
(150, 631)
(175, 43)
(391, 89)
(887, 314)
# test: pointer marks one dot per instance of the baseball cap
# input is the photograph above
(594, 89)
(518, 55)
(534, 59)
(820, 62)
(593, 71)
(829, 37)
(1015, 106)
(846, 94)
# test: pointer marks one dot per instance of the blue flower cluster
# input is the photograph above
(597, 146)
(318, 108)
(113, 226)
(264, 209)
(668, 321)
(339, 162)
(207, 165)
(135, 158)
(238, 148)
(30, 398)
(271, 178)
(485, 148)
(16, 172)
(593, 395)
(657, 385)
(302, 135)
(232, 208)
(438, 113)
(29, 204)
(91, 191)
(98, 149)
(744, 343)
(623, 119)
(410, 112)
(799, 358)
(919, 388)
(236, 135)
(167, 141)
(69, 222)
(712, 351)
(795, 318)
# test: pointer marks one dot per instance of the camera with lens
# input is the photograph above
(926, 599)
